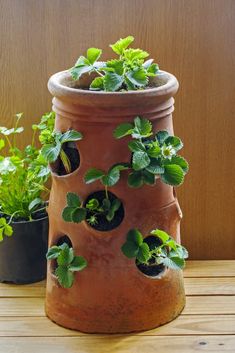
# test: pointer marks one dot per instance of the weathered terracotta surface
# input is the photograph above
(111, 295)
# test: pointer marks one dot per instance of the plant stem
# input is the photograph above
(106, 192)
(65, 160)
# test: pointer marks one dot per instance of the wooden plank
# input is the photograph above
(27, 290)
(195, 305)
(212, 268)
(121, 344)
(210, 286)
(183, 325)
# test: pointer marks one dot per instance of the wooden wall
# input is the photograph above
(194, 39)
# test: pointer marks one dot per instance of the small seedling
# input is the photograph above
(53, 141)
(129, 72)
(153, 155)
(169, 252)
(67, 263)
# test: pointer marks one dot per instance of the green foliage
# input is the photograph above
(153, 155)
(53, 141)
(129, 72)
(169, 252)
(67, 263)
(23, 174)
(107, 179)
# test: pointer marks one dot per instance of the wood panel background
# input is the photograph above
(194, 39)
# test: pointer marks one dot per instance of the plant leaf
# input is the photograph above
(135, 236)
(136, 146)
(73, 200)
(148, 178)
(67, 214)
(51, 152)
(70, 135)
(36, 202)
(112, 81)
(138, 77)
(2, 144)
(93, 54)
(152, 70)
(78, 71)
(140, 160)
(175, 263)
(79, 215)
(154, 167)
(97, 84)
(161, 136)
(53, 252)
(92, 204)
(173, 175)
(143, 128)
(135, 179)
(123, 130)
(161, 235)
(78, 264)
(180, 161)
(65, 256)
(116, 66)
(64, 276)
(143, 253)
(174, 141)
(122, 44)
(92, 175)
(130, 249)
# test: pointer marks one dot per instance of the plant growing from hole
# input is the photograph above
(76, 211)
(169, 252)
(129, 71)
(67, 263)
(153, 154)
(23, 174)
(53, 141)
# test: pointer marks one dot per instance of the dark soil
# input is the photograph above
(152, 269)
(103, 224)
(72, 152)
(64, 239)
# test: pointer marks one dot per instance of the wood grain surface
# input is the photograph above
(194, 39)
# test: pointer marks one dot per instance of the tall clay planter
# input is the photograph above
(111, 295)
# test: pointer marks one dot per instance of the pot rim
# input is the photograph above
(58, 86)
(31, 221)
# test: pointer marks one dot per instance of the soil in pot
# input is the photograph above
(72, 153)
(103, 224)
(152, 269)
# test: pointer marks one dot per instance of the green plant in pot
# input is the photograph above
(24, 220)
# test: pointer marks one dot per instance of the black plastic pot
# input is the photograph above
(23, 255)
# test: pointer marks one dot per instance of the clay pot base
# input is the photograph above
(103, 224)
(72, 153)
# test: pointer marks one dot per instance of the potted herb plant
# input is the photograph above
(115, 219)
(23, 216)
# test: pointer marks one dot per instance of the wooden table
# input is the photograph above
(206, 325)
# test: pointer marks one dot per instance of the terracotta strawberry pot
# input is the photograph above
(112, 295)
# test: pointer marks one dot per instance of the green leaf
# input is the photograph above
(65, 256)
(106, 204)
(112, 81)
(136, 146)
(78, 264)
(70, 135)
(161, 136)
(135, 236)
(64, 276)
(79, 215)
(175, 142)
(93, 54)
(135, 179)
(152, 70)
(51, 152)
(138, 77)
(8, 230)
(154, 150)
(67, 214)
(143, 128)
(111, 178)
(148, 178)
(116, 66)
(140, 160)
(130, 249)
(92, 204)
(78, 71)
(123, 130)
(73, 200)
(173, 175)
(135, 54)
(143, 253)
(2, 144)
(161, 235)
(36, 202)
(115, 205)
(122, 44)
(180, 161)
(154, 167)
(97, 84)
(53, 252)
(175, 263)
(92, 175)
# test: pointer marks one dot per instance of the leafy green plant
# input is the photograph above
(53, 141)
(129, 72)
(23, 174)
(169, 253)
(67, 263)
(153, 155)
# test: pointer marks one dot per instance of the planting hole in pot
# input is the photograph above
(101, 222)
(151, 270)
(72, 153)
(64, 239)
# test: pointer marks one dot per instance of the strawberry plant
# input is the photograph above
(67, 263)
(130, 71)
(153, 154)
(165, 251)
